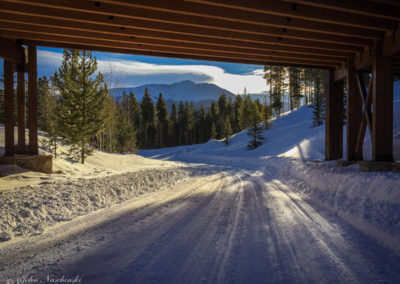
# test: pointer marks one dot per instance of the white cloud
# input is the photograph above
(252, 81)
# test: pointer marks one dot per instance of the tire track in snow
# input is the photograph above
(238, 226)
(319, 247)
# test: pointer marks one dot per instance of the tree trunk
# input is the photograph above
(82, 152)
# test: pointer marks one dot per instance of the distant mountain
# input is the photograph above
(188, 91)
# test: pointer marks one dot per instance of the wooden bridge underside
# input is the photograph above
(346, 37)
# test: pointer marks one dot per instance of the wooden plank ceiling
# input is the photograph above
(310, 33)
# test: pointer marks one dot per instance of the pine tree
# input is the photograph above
(202, 125)
(148, 113)
(308, 78)
(214, 114)
(266, 115)
(237, 103)
(107, 140)
(294, 87)
(278, 87)
(213, 131)
(48, 118)
(182, 122)
(227, 130)
(162, 121)
(245, 111)
(82, 100)
(222, 107)
(268, 77)
(135, 116)
(318, 102)
(124, 102)
(255, 129)
(126, 139)
(189, 112)
(173, 126)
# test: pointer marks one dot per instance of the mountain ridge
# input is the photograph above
(186, 90)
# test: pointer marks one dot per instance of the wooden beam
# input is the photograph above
(149, 44)
(366, 98)
(32, 100)
(211, 17)
(151, 50)
(390, 47)
(168, 55)
(361, 7)
(339, 74)
(382, 97)
(353, 112)
(140, 35)
(203, 27)
(300, 11)
(11, 51)
(333, 118)
(9, 107)
(21, 148)
(171, 38)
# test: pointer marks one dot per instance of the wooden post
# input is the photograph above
(21, 149)
(9, 107)
(353, 112)
(32, 100)
(382, 100)
(333, 118)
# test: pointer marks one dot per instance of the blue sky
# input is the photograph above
(122, 70)
(132, 70)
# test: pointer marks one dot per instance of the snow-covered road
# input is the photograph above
(235, 226)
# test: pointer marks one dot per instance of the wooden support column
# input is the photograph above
(353, 112)
(382, 99)
(32, 100)
(9, 107)
(333, 118)
(21, 148)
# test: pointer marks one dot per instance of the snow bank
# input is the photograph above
(370, 201)
(29, 210)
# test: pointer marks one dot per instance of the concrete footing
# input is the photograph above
(36, 163)
(344, 163)
(370, 166)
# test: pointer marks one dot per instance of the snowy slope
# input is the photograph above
(99, 164)
(370, 201)
(291, 135)
(185, 91)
